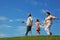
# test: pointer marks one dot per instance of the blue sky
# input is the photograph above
(12, 12)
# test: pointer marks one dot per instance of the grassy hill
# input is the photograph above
(33, 38)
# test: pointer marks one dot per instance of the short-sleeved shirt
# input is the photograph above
(37, 26)
(28, 21)
(49, 19)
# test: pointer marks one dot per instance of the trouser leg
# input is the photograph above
(28, 29)
(30, 32)
(47, 29)
(26, 33)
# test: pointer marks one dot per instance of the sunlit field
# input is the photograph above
(33, 38)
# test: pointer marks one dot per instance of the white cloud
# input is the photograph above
(20, 20)
(10, 20)
(19, 10)
(45, 4)
(5, 25)
(35, 2)
(16, 20)
(44, 11)
(41, 3)
(56, 9)
(3, 18)
(47, 10)
(1, 35)
(21, 28)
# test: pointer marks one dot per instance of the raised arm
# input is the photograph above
(53, 17)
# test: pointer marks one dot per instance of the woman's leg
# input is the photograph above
(47, 29)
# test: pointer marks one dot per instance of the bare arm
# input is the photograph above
(53, 17)
(44, 23)
(30, 22)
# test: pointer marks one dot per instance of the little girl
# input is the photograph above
(37, 26)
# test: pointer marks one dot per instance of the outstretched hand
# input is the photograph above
(23, 21)
(58, 18)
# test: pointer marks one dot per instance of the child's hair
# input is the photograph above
(37, 20)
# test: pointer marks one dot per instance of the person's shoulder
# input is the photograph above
(30, 17)
(37, 22)
(50, 16)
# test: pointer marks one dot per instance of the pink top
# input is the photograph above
(37, 25)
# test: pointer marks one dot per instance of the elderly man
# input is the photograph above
(28, 23)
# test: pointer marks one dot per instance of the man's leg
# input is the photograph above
(30, 30)
(26, 33)
(27, 30)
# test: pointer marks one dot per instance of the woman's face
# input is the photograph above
(47, 14)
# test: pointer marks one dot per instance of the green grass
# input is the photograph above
(33, 38)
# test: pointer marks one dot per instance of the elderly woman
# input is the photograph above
(48, 22)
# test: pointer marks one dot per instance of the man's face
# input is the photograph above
(47, 14)
(29, 14)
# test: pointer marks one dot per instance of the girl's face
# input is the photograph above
(37, 20)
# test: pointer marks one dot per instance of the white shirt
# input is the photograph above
(49, 19)
(28, 20)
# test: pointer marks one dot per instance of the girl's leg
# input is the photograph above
(38, 32)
